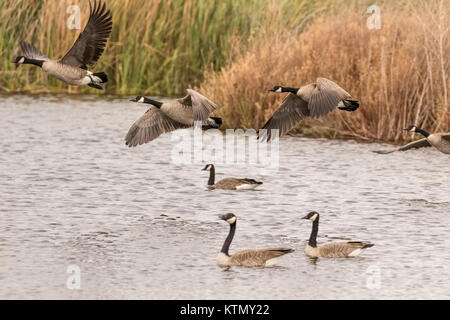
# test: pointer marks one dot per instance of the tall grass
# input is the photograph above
(156, 47)
(399, 73)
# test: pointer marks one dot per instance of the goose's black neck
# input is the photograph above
(227, 243)
(33, 61)
(153, 102)
(212, 175)
(313, 237)
(423, 132)
(288, 89)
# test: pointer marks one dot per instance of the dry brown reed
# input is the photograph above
(398, 73)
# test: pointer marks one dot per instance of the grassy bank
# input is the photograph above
(156, 47)
(234, 50)
(398, 73)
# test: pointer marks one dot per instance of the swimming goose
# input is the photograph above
(87, 49)
(246, 258)
(313, 100)
(334, 249)
(440, 141)
(163, 117)
(229, 183)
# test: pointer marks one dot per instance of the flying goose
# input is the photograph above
(334, 249)
(163, 117)
(440, 141)
(246, 258)
(313, 100)
(229, 183)
(87, 49)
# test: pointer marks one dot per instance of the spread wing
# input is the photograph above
(90, 44)
(325, 97)
(291, 111)
(201, 106)
(422, 143)
(255, 258)
(341, 249)
(150, 126)
(446, 136)
(31, 52)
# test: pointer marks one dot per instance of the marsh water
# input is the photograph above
(139, 226)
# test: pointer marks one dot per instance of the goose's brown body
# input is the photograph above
(334, 249)
(246, 258)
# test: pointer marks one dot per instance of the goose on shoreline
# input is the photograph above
(87, 49)
(246, 258)
(313, 100)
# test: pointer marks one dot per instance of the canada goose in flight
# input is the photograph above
(313, 100)
(163, 117)
(246, 258)
(334, 249)
(229, 183)
(72, 68)
(440, 141)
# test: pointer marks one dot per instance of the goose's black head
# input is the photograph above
(228, 217)
(19, 59)
(208, 167)
(411, 128)
(313, 215)
(276, 89)
(138, 99)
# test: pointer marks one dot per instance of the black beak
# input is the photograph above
(134, 100)
(406, 129)
(305, 217)
(222, 216)
(272, 90)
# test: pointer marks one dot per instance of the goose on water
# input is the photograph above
(247, 258)
(229, 183)
(333, 249)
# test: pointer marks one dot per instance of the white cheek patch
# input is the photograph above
(313, 217)
(231, 220)
(141, 100)
(22, 60)
(279, 89)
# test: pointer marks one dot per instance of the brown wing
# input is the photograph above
(325, 97)
(31, 52)
(90, 44)
(291, 111)
(340, 249)
(257, 258)
(232, 183)
(201, 106)
(228, 183)
(150, 126)
(446, 136)
(422, 143)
